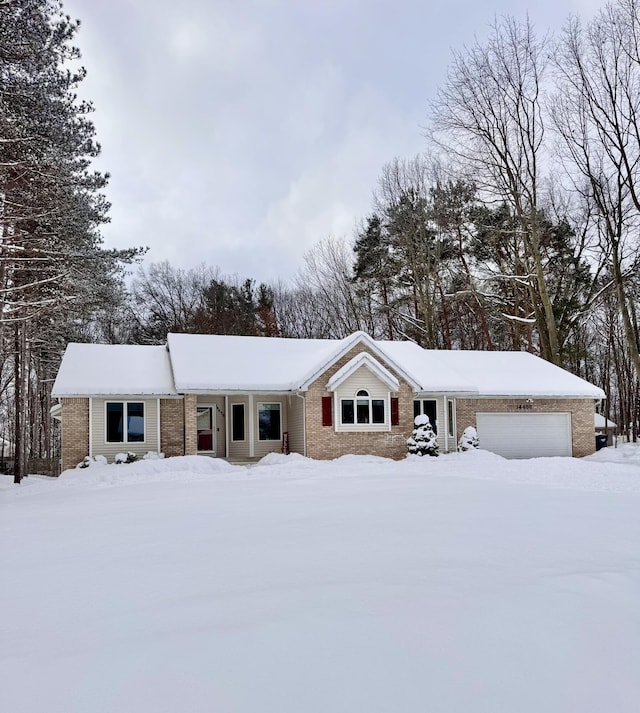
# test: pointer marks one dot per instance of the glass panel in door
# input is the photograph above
(205, 428)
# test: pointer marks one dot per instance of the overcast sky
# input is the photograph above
(241, 132)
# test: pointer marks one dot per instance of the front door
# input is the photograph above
(207, 429)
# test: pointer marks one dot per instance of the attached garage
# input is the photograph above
(525, 435)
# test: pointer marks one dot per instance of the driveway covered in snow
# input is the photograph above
(457, 584)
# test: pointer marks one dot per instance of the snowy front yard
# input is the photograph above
(462, 584)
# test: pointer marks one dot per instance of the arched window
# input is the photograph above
(363, 409)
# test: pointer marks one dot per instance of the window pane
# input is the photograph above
(135, 423)
(347, 411)
(377, 411)
(269, 422)
(431, 411)
(416, 408)
(204, 418)
(450, 417)
(362, 410)
(364, 393)
(237, 422)
(114, 423)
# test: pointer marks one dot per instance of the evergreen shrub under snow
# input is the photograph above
(469, 439)
(423, 440)
(125, 457)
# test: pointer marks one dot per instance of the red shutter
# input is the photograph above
(395, 412)
(327, 419)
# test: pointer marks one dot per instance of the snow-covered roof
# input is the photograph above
(599, 421)
(429, 369)
(213, 362)
(114, 369)
(516, 374)
(219, 363)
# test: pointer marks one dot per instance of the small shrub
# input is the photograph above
(125, 458)
(468, 440)
(89, 461)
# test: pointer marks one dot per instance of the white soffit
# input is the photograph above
(367, 361)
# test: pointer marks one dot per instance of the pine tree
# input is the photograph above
(468, 440)
(423, 440)
(51, 203)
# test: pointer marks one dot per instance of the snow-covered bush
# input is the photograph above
(468, 439)
(152, 455)
(89, 461)
(423, 440)
(125, 457)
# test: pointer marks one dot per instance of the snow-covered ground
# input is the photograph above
(462, 584)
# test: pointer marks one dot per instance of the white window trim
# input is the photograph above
(451, 423)
(257, 414)
(244, 406)
(356, 427)
(125, 431)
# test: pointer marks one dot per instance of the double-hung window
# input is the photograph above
(125, 422)
(362, 410)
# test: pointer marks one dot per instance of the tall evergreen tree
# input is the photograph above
(51, 203)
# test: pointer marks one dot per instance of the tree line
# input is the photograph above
(517, 228)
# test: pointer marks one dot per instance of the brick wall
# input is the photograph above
(75, 431)
(172, 427)
(190, 402)
(581, 410)
(324, 443)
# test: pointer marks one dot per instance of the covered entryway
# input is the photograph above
(525, 435)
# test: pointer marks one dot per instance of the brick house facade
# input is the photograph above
(389, 379)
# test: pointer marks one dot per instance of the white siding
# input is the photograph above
(99, 445)
(296, 424)
(362, 379)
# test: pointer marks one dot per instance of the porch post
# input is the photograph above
(251, 426)
(227, 421)
(190, 425)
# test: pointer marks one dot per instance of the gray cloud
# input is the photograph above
(240, 134)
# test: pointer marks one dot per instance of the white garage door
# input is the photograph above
(525, 435)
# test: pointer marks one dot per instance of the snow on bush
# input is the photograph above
(89, 461)
(468, 439)
(423, 440)
(152, 455)
(125, 458)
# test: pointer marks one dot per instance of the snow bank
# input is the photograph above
(151, 469)
(628, 454)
